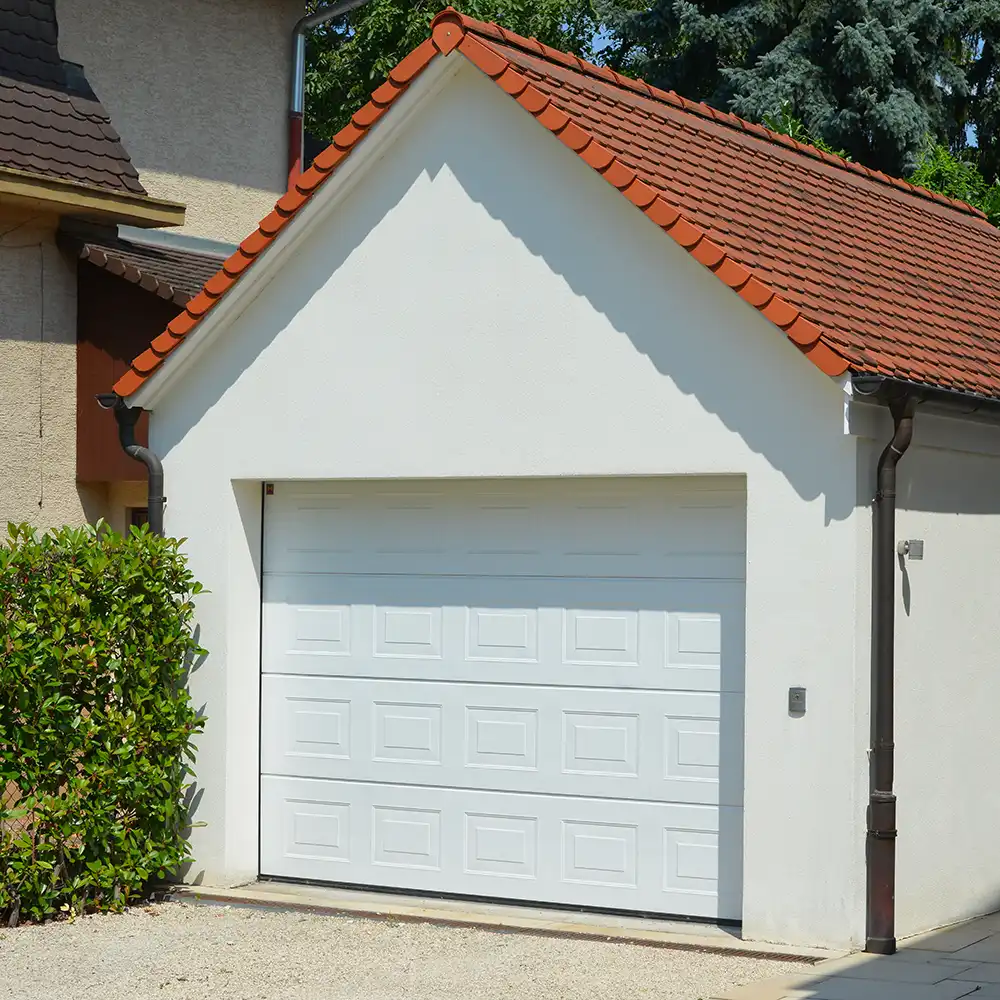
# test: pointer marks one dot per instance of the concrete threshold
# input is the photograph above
(499, 917)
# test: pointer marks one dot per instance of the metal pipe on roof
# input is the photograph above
(297, 106)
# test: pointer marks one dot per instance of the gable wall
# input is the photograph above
(485, 305)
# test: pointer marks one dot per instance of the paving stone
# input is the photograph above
(847, 988)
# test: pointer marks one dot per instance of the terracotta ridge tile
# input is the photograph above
(286, 209)
(533, 47)
(450, 30)
(621, 176)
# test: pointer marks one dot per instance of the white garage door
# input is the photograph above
(517, 689)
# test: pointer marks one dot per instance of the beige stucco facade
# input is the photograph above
(198, 90)
(38, 378)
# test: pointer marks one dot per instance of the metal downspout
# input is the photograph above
(126, 417)
(881, 840)
(297, 105)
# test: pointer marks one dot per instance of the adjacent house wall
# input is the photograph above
(947, 670)
(481, 303)
(198, 90)
(37, 378)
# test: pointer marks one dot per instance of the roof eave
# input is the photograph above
(879, 389)
(60, 196)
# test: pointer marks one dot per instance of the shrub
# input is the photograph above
(957, 175)
(96, 724)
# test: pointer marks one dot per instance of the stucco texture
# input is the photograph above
(38, 380)
(198, 90)
(948, 677)
(519, 342)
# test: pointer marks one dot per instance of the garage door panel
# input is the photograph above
(662, 746)
(523, 689)
(654, 857)
(633, 528)
(662, 634)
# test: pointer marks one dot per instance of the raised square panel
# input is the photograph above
(503, 635)
(406, 838)
(599, 853)
(501, 737)
(413, 632)
(320, 728)
(691, 862)
(600, 744)
(501, 845)
(318, 830)
(695, 640)
(406, 732)
(329, 627)
(610, 638)
(692, 748)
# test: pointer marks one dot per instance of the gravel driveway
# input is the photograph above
(178, 951)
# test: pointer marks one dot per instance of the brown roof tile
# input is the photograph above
(51, 123)
(170, 273)
(860, 271)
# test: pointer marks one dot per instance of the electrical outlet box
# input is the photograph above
(797, 701)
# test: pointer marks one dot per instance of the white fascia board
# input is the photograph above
(310, 218)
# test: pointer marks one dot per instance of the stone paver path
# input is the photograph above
(961, 961)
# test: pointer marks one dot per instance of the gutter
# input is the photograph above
(66, 197)
(297, 105)
(126, 417)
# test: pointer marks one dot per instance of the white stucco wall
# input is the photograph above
(484, 304)
(38, 379)
(198, 90)
(947, 670)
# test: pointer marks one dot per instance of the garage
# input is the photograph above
(513, 689)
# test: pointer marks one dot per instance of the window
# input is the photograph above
(137, 516)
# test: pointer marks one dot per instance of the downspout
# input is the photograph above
(126, 417)
(297, 107)
(881, 841)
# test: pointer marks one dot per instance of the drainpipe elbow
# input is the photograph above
(126, 417)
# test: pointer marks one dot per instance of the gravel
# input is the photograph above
(178, 951)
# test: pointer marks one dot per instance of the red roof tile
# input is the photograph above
(861, 271)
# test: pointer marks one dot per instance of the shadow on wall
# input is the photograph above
(761, 388)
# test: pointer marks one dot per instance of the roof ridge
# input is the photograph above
(448, 33)
(533, 46)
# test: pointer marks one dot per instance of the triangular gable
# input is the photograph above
(494, 51)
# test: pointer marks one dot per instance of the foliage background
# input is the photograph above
(910, 87)
(96, 725)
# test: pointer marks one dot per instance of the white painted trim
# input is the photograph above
(236, 301)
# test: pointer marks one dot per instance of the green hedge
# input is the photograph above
(96, 724)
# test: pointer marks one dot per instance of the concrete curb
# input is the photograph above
(490, 917)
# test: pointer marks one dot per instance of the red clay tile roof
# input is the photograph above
(51, 123)
(170, 273)
(861, 271)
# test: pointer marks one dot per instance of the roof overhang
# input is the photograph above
(58, 196)
(882, 390)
